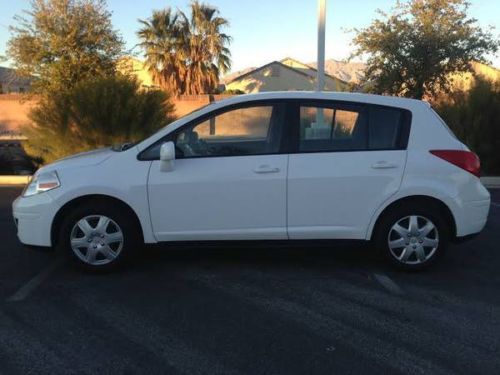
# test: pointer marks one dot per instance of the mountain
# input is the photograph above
(351, 72)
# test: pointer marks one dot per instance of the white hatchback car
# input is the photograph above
(271, 166)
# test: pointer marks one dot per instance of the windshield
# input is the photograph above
(126, 146)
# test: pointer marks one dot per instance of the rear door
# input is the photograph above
(348, 159)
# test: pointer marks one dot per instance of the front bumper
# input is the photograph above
(33, 217)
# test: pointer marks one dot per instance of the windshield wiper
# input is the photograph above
(123, 147)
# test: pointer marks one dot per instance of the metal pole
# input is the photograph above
(318, 128)
(321, 45)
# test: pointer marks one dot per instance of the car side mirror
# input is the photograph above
(167, 156)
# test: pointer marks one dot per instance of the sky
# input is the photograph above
(264, 30)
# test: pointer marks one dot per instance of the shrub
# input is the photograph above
(95, 113)
(473, 116)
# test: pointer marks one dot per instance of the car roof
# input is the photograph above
(392, 101)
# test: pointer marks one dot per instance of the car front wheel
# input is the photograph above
(98, 236)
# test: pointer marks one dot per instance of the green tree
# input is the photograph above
(186, 54)
(61, 42)
(413, 51)
(95, 113)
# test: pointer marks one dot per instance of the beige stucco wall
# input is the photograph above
(14, 112)
(183, 107)
(261, 80)
(132, 66)
(296, 64)
(331, 83)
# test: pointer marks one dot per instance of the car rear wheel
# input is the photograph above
(99, 237)
(412, 237)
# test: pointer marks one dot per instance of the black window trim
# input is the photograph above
(291, 127)
(288, 119)
(294, 140)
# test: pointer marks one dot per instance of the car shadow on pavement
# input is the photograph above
(318, 256)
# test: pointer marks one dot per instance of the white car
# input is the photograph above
(270, 166)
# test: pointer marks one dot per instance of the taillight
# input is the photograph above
(466, 160)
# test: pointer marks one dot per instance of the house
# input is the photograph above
(285, 75)
(10, 82)
(131, 66)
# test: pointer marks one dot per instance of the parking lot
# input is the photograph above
(207, 310)
(13, 159)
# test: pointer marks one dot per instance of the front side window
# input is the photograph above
(332, 129)
(241, 131)
(238, 132)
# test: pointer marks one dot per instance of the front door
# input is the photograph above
(229, 179)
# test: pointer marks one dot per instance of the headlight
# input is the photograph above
(42, 182)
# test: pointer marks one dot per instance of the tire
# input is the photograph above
(412, 236)
(99, 236)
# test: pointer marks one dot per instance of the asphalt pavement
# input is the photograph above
(250, 310)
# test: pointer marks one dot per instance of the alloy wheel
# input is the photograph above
(413, 239)
(96, 240)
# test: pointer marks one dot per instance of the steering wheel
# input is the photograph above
(185, 149)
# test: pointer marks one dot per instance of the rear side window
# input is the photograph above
(331, 128)
(341, 126)
(385, 125)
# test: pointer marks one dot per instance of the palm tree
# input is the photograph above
(161, 43)
(186, 55)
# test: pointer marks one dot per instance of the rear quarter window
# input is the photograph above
(443, 123)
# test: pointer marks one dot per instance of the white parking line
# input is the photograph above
(35, 282)
(387, 283)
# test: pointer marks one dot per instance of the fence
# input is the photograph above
(14, 109)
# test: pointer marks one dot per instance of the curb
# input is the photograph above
(14, 180)
(491, 182)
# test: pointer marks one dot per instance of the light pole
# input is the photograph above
(320, 125)
(321, 45)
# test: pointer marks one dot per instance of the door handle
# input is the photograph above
(266, 169)
(384, 165)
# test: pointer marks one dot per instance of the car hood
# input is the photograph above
(83, 159)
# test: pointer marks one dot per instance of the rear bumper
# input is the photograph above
(472, 218)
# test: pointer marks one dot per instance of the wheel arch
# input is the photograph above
(86, 199)
(438, 204)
